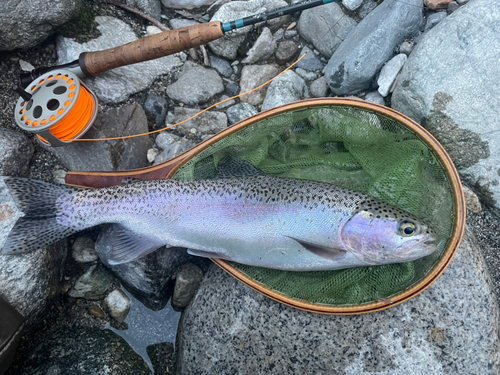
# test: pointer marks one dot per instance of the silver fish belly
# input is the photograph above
(265, 221)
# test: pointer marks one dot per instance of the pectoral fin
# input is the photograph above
(207, 254)
(128, 245)
(320, 250)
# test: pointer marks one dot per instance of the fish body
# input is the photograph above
(260, 220)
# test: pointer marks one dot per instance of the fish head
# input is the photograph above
(379, 233)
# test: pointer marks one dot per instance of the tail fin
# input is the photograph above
(39, 226)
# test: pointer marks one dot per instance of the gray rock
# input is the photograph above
(308, 76)
(319, 88)
(16, 151)
(366, 8)
(225, 102)
(406, 48)
(30, 281)
(471, 200)
(162, 357)
(287, 51)
(352, 4)
(227, 46)
(253, 76)
(232, 89)
(151, 7)
(83, 250)
(433, 19)
(209, 122)
(25, 23)
(118, 305)
(361, 55)
(152, 154)
(177, 23)
(187, 282)
(279, 35)
(325, 27)
(146, 278)
(172, 145)
(116, 85)
(262, 49)
(113, 155)
(157, 106)
(222, 66)
(453, 6)
(195, 85)
(459, 104)
(375, 97)
(434, 333)
(82, 350)
(59, 176)
(389, 73)
(291, 34)
(287, 88)
(186, 4)
(93, 284)
(310, 61)
(239, 112)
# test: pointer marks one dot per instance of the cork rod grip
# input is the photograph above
(151, 47)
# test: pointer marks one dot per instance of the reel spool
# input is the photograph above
(57, 106)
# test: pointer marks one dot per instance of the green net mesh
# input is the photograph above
(356, 149)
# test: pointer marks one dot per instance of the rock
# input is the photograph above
(361, 55)
(162, 357)
(459, 105)
(436, 4)
(152, 154)
(375, 97)
(433, 20)
(16, 151)
(157, 106)
(25, 23)
(147, 277)
(325, 27)
(227, 46)
(83, 250)
(209, 122)
(471, 200)
(186, 4)
(287, 51)
(239, 112)
(453, 6)
(113, 155)
(222, 66)
(29, 281)
(195, 85)
(81, 350)
(177, 23)
(225, 102)
(59, 176)
(352, 4)
(309, 62)
(262, 49)
(172, 145)
(287, 88)
(187, 281)
(96, 311)
(153, 30)
(232, 89)
(389, 73)
(25, 66)
(367, 7)
(291, 34)
(307, 76)
(406, 48)
(432, 333)
(253, 76)
(150, 7)
(93, 284)
(116, 85)
(319, 88)
(118, 305)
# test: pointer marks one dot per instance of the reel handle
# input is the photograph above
(148, 48)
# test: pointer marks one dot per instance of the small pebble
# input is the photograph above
(153, 30)
(437, 4)
(97, 311)
(471, 200)
(84, 250)
(453, 6)
(406, 48)
(118, 305)
(59, 176)
(152, 154)
(291, 26)
(186, 284)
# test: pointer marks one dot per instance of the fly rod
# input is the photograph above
(90, 64)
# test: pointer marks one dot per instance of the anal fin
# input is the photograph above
(128, 245)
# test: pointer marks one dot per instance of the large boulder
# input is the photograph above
(358, 59)
(25, 23)
(450, 85)
(230, 328)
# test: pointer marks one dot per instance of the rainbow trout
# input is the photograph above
(260, 220)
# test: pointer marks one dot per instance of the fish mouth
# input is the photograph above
(408, 251)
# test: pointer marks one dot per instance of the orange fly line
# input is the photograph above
(190, 118)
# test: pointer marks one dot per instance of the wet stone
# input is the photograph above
(83, 250)
(239, 112)
(118, 305)
(287, 51)
(157, 106)
(93, 284)
(187, 281)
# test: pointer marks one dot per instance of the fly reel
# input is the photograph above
(57, 106)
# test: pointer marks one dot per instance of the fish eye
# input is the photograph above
(407, 229)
